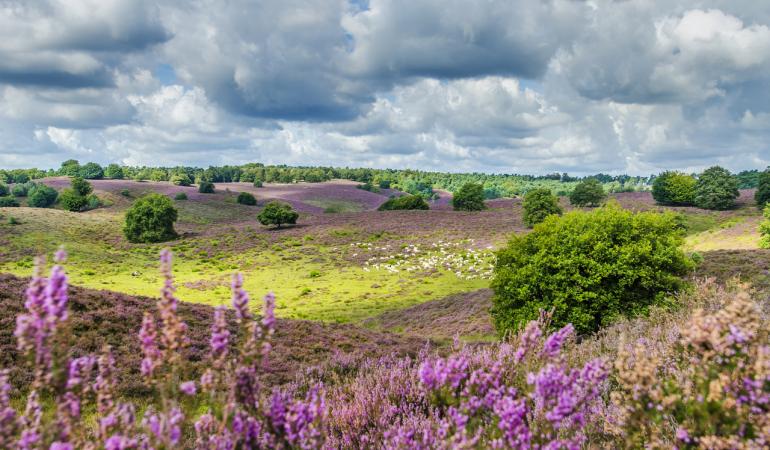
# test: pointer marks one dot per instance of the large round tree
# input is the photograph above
(674, 188)
(716, 188)
(589, 268)
(151, 219)
(539, 204)
(470, 197)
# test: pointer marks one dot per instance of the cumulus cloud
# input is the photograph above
(526, 86)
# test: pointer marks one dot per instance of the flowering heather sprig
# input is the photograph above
(240, 298)
(148, 336)
(554, 342)
(165, 427)
(220, 336)
(268, 323)
(173, 329)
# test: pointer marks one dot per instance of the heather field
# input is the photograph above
(379, 333)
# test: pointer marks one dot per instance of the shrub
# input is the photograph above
(762, 195)
(206, 187)
(180, 196)
(42, 196)
(180, 180)
(244, 198)
(674, 188)
(539, 204)
(3, 190)
(8, 202)
(81, 186)
(404, 202)
(764, 228)
(384, 184)
(277, 213)
(470, 197)
(258, 183)
(70, 200)
(368, 187)
(150, 219)
(589, 267)
(19, 190)
(588, 192)
(716, 189)
(91, 171)
(93, 202)
(114, 172)
(125, 193)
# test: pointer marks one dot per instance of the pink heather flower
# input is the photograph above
(148, 336)
(268, 323)
(554, 342)
(173, 329)
(188, 388)
(220, 335)
(118, 442)
(240, 298)
(527, 339)
(79, 370)
(56, 295)
(61, 446)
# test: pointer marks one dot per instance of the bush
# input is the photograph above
(716, 189)
(151, 219)
(81, 186)
(764, 228)
(539, 204)
(125, 193)
(42, 196)
(206, 187)
(368, 187)
(71, 201)
(384, 184)
(470, 197)
(180, 180)
(762, 195)
(3, 190)
(588, 192)
(180, 196)
(674, 188)
(244, 198)
(404, 202)
(114, 172)
(91, 171)
(93, 202)
(589, 267)
(19, 190)
(258, 183)
(8, 202)
(277, 213)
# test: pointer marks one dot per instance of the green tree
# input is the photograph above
(404, 202)
(206, 187)
(180, 179)
(114, 171)
(70, 168)
(539, 204)
(70, 200)
(589, 268)
(81, 186)
(244, 198)
(42, 196)
(151, 219)
(277, 213)
(19, 190)
(762, 195)
(470, 197)
(674, 188)
(588, 192)
(716, 189)
(8, 202)
(91, 171)
(258, 183)
(3, 190)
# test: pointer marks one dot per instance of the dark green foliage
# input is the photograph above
(180, 179)
(258, 183)
(150, 219)
(716, 189)
(8, 202)
(539, 204)
(384, 184)
(762, 195)
(368, 187)
(180, 196)
(244, 198)
(277, 213)
(125, 193)
(114, 172)
(3, 190)
(588, 192)
(589, 267)
(19, 190)
(206, 187)
(93, 202)
(91, 171)
(470, 197)
(70, 168)
(674, 188)
(81, 186)
(404, 202)
(42, 196)
(70, 200)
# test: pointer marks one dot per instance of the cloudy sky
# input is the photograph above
(525, 86)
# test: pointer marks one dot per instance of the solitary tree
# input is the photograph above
(206, 187)
(244, 198)
(716, 188)
(91, 171)
(75, 198)
(277, 213)
(151, 219)
(539, 204)
(470, 197)
(674, 188)
(588, 192)
(114, 172)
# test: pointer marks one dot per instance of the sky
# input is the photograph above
(504, 86)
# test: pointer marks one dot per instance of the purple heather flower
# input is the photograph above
(148, 336)
(61, 446)
(79, 370)
(240, 298)
(118, 442)
(554, 342)
(188, 388)
(527, 339)
(220, 335)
